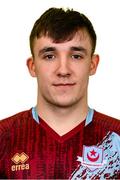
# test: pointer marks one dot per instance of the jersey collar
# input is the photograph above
(89, 117)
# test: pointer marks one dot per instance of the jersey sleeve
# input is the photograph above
(4, 149)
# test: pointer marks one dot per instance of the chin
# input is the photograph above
(65, 104)
(62, 101)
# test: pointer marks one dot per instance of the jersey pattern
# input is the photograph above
(30, 149)
(109, 168)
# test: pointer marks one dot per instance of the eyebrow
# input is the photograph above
(46, 49)
(52, 49)
(79, 48)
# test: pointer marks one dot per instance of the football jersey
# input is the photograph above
(30, 149)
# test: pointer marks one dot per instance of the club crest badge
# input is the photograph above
(93, 157)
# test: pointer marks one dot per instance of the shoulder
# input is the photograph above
(11, 129)
(107, 122)
(7, 123)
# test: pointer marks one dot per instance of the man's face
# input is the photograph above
(63, 69)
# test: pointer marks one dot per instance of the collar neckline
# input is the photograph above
(88, 120)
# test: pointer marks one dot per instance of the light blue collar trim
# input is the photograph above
(35, 115)
(88, 118)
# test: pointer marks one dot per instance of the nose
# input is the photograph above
(64, 69)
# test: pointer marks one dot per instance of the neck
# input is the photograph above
(62, 119)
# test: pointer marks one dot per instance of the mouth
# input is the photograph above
(64, 84)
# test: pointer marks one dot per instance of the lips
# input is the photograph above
(64, 84)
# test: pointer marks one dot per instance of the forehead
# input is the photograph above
(80, 38)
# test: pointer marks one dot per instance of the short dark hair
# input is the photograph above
(61, 25)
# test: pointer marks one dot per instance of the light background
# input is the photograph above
(18, 89)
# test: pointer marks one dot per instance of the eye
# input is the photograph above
(49, 57)
(76, 56)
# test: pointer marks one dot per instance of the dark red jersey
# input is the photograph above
(30, 149)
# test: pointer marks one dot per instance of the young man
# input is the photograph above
(61, 138)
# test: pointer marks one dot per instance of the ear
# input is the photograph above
(31, 66)
(94, 64)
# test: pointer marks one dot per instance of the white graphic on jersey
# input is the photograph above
(92, 157)
(109, 167)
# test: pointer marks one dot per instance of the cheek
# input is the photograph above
(83, 72)
(83, 78)
(43, 76)
(42, 69)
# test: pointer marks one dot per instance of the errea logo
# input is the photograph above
(19, 160)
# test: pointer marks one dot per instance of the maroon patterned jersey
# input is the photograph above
(30, 149)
